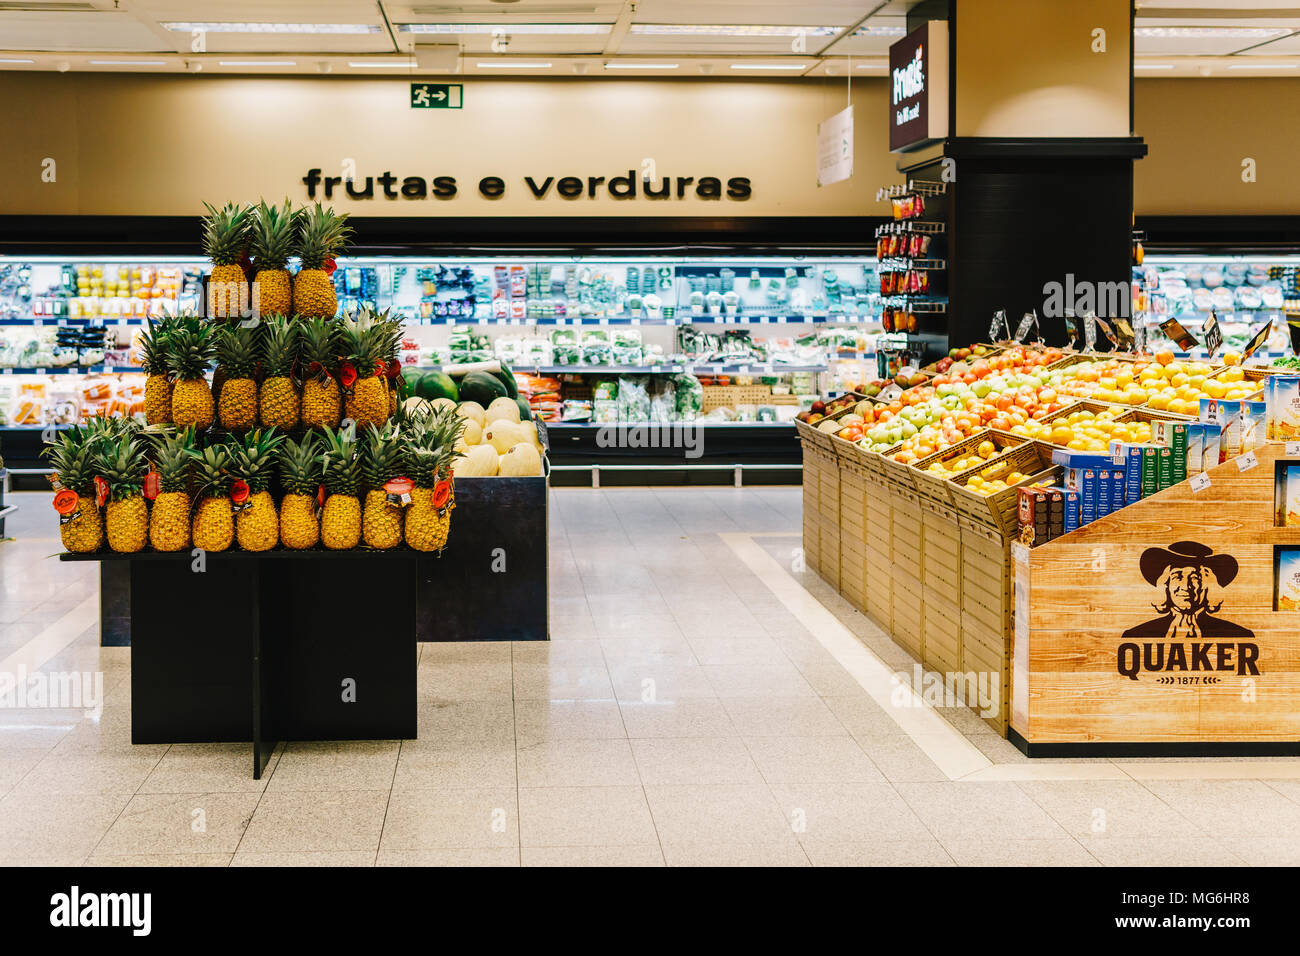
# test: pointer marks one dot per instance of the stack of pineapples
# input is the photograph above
(297, 441)
(166, 488)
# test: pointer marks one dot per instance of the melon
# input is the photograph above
(525, 412)
(529, 430)
(481, 387)
(471, 410)
(415, 406)
(504, 435)
(473, 434)
(433, 385)
(479, 461)
(502, 409)
(507, 378)
(438, 404)
(521, 461)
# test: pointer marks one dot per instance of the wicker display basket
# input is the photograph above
(935, 487)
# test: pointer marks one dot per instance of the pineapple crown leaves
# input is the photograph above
(322, 234)
(433, 449)
(211, 465)
(254, 458)
(153, 345)
(363, 340)
(73, 460)
(300, 465)
(271, 234)
(122, 463)
(382, 456)
(172, 458)
(339, 463)
(190, 348)
(237, 349)
(279, 345)
(225, 233)
(317, 350)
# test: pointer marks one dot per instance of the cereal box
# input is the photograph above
(1287, 595)
(1282, 415)
(1252, 425)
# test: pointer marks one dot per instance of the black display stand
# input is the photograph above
(284, 645)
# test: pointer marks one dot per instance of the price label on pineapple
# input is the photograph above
(1200, 482)
(1247, 461)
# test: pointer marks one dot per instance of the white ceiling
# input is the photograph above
(564, 37)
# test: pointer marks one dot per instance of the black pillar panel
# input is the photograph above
(191, 647)
(1025, 213)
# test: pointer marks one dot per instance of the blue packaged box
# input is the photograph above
(1070, 506)
(1128, 458)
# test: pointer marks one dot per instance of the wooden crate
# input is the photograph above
(718, 396)
(942, 627)
(999, 510)
(936, 487)
(907, 613)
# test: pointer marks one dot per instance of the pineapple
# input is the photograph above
(122, 463)
(381, 460)
(271, 237)
(321, 236)
(257, 526)
(321, 401)
(225, 242)
(278, 401)
(214, 523)
(189, 349)
(300, 474)
(340, 523)
(73, 460)
(237, 348)
(428, 518)
(169, 520)
(363, 340)
(153, 362)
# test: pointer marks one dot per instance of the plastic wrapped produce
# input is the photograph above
(689, 396)
(633, 399)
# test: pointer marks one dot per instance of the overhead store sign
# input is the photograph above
(918, 79)
(436, 96)
(629, 186)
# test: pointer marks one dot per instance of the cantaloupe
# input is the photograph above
(502, 409)
(478, 461)
(504, 435)
(472, 410)
(521, 461)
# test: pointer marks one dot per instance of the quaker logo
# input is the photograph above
(1188, 644)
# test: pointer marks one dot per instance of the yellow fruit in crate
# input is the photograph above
(1234, 374)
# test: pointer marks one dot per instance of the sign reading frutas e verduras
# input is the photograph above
(437, 96)
(918, 82)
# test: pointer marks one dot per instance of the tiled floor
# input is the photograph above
(685, 712)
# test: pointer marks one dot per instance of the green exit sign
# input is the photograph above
(436, 96)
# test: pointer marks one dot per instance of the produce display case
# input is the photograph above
(927, 555)
(766, 335)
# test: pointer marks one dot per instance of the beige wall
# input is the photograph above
(1199, 132)
(160, 145)
(1026, 68)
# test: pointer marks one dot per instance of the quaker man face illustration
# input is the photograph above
(1185, 591)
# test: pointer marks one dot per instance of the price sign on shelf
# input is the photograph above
(1292, 449)
(1247, 461)
(1213, 333)
(1256, 341)
(1200, 482)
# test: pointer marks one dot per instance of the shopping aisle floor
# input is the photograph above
(702, 701)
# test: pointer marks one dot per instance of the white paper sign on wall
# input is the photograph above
(835, 148)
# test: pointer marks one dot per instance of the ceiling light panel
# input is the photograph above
(728, 30)
(349, 29)
(513, 29)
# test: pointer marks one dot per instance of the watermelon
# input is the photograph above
(508, 380)
(525, 413)
(437, 385)
(410, 376)
(481, 387)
